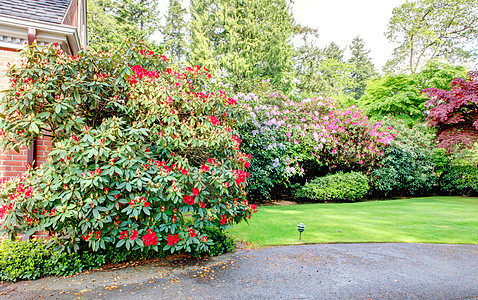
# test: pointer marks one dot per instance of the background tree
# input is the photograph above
(143, 13)
(174, 31)
(243, 40)
(362, 67)
(109, 26)
(455, 112)
(399, 95)
(432, 29)
(104, 30)
(321, 71)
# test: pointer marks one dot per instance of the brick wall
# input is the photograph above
(13, 163)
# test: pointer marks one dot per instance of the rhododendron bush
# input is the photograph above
(309, 137)
(144, 155)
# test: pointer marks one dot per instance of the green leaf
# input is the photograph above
(34, 128)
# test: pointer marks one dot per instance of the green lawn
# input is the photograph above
(452, 220)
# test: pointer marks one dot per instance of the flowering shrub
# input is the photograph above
(408, 166)
(310, 137)
(144, 156)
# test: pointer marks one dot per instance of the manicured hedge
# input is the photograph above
(351, 187)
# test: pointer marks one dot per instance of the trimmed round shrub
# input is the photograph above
(347, 187)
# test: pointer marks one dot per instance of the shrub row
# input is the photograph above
(20, 260)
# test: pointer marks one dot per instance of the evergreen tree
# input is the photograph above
(243, 39)
(363, 68)
(321, 71)
(105, 31)
(174, 31)
(143, 13)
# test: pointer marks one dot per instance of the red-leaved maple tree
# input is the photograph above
(455, 112)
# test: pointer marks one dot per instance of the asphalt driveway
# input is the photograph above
(330, 271)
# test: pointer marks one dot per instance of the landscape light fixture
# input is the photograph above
(300, 228)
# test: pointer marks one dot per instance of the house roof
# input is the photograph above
(52, 11)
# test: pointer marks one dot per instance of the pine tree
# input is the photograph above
(321, 71)
(363, 68)
(105, 31)
(243, 39)
(174, 31)
(143, 13)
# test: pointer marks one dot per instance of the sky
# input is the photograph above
(342, 20)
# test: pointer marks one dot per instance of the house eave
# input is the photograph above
(16, 28)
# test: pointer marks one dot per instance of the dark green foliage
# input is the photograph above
(407, 166)
(31, 260)
(460, 180)
(143, 13)
(362, 68)
(243, 40)
(338, 187)
(221, 243)
(174, 31)
(460, 175)
(20, 260)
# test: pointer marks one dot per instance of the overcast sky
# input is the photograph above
(342, 20)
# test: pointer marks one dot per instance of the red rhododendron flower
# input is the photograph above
(195, 192)
(28, 192)
(124, 234)
(253, 207)
(223, 219)
(214, 120)
(191, 232)
(134, 235)
(20, 188)
(231, 101)
(172, 239)
(150, 238)
(205, 168)
(188, 199)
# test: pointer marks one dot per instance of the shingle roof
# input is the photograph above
(51, 11)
